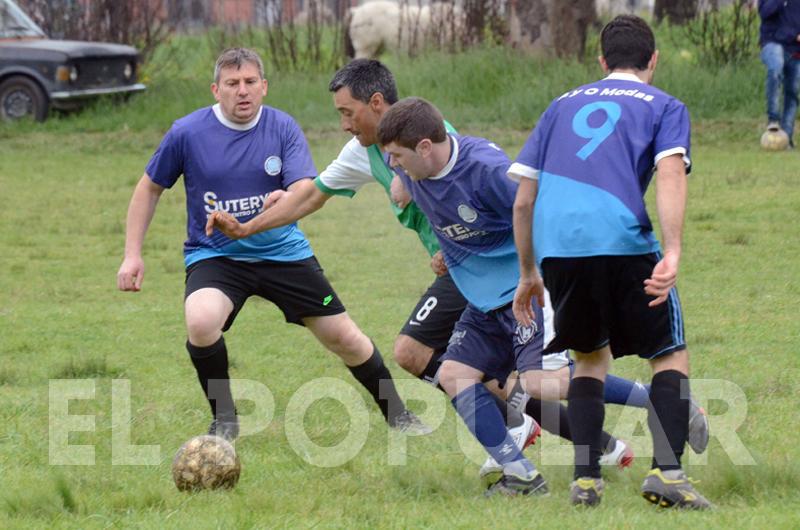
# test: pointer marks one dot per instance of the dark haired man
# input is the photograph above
(232, 156)
(583, 173)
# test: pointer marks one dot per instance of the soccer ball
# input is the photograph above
(775, 140)
(206, 462)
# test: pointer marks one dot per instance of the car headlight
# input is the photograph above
(67, 73)
(128, 71)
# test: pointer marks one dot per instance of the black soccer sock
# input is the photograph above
(211, 363)
(511, 416)
(370, 374)
(551, 415)
(668, 419)
(431, 372)
(586, 414)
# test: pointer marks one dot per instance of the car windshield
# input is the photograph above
(14, 23)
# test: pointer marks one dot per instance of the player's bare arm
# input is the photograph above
(299, 200)
(671, 186)
(530, 284)
(140, 213)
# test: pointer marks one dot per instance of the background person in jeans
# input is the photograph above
(780, 53)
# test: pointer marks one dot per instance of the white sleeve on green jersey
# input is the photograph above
(348, 172)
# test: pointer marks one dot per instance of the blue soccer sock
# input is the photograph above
(619, 391)
(477, 408)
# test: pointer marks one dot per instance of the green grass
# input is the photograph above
(61, 317)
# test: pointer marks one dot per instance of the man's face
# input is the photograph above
(239, 92)
(356, 117)
(412, 162)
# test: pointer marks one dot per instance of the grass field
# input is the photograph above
(61, 317)
(67, 184)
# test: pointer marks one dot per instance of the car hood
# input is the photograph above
(69, 48)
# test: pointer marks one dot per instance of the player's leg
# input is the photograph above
(791, 86)
(479, 411)
(657, 334)
(301, 290)
(426, 332)
(214, 294)
(480, 351)
(773, 58)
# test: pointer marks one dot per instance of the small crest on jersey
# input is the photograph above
(524, 334)
(466, 213)
(273, 165)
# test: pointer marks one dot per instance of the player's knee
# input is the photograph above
(407, 354)
(455, 377)
(202, 328)
(346, 338)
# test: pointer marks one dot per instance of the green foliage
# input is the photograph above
(725, 36)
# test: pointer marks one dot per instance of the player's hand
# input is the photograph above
(527, 289)
(438, 265)
(273, 197)
(398, 193)
(130, 274)
(663, 279)
(225, 223)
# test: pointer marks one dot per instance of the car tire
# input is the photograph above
(22, 97)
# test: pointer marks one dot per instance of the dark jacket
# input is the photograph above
(780, 22)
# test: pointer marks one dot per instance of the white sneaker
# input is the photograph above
(621, 455)
(523, 436)
(773, 126)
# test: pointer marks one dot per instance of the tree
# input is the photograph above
(676, 11)
(552, 27)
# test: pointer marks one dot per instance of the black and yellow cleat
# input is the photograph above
(673, 488)
(586, 491)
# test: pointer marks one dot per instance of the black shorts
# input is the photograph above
(298, 288)
(600, 300)
(436, 313)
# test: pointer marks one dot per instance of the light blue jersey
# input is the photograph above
(594, 151)
(469, 204)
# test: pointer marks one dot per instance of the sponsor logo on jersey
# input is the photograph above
(273, 165)
(239, 207)
(457, 337)
(459, 232)
(524, 334)
(467, 214)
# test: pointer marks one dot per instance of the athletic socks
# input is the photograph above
(619, 391)
(511, 416)
(586, 413)
(668, 419)
(370, 374)
(211, 364)
(477, 408)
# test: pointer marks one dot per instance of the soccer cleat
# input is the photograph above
(773, 125)
(586, 491)
(621, 455)
(698, 427)
(523, 436)
(511, 486)
(227, 429)
(672, 488)
(408, 423)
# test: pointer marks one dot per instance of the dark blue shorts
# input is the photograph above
(495, 343)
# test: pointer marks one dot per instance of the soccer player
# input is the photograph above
(583, 173)
(363, 90)
(232, 156)
(459, 183)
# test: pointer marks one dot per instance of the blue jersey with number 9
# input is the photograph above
(593, 151)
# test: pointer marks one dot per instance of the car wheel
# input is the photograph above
(22, 97)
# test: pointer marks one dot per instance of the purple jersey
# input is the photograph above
(593, 151)
(232, 167)
(469, 204)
